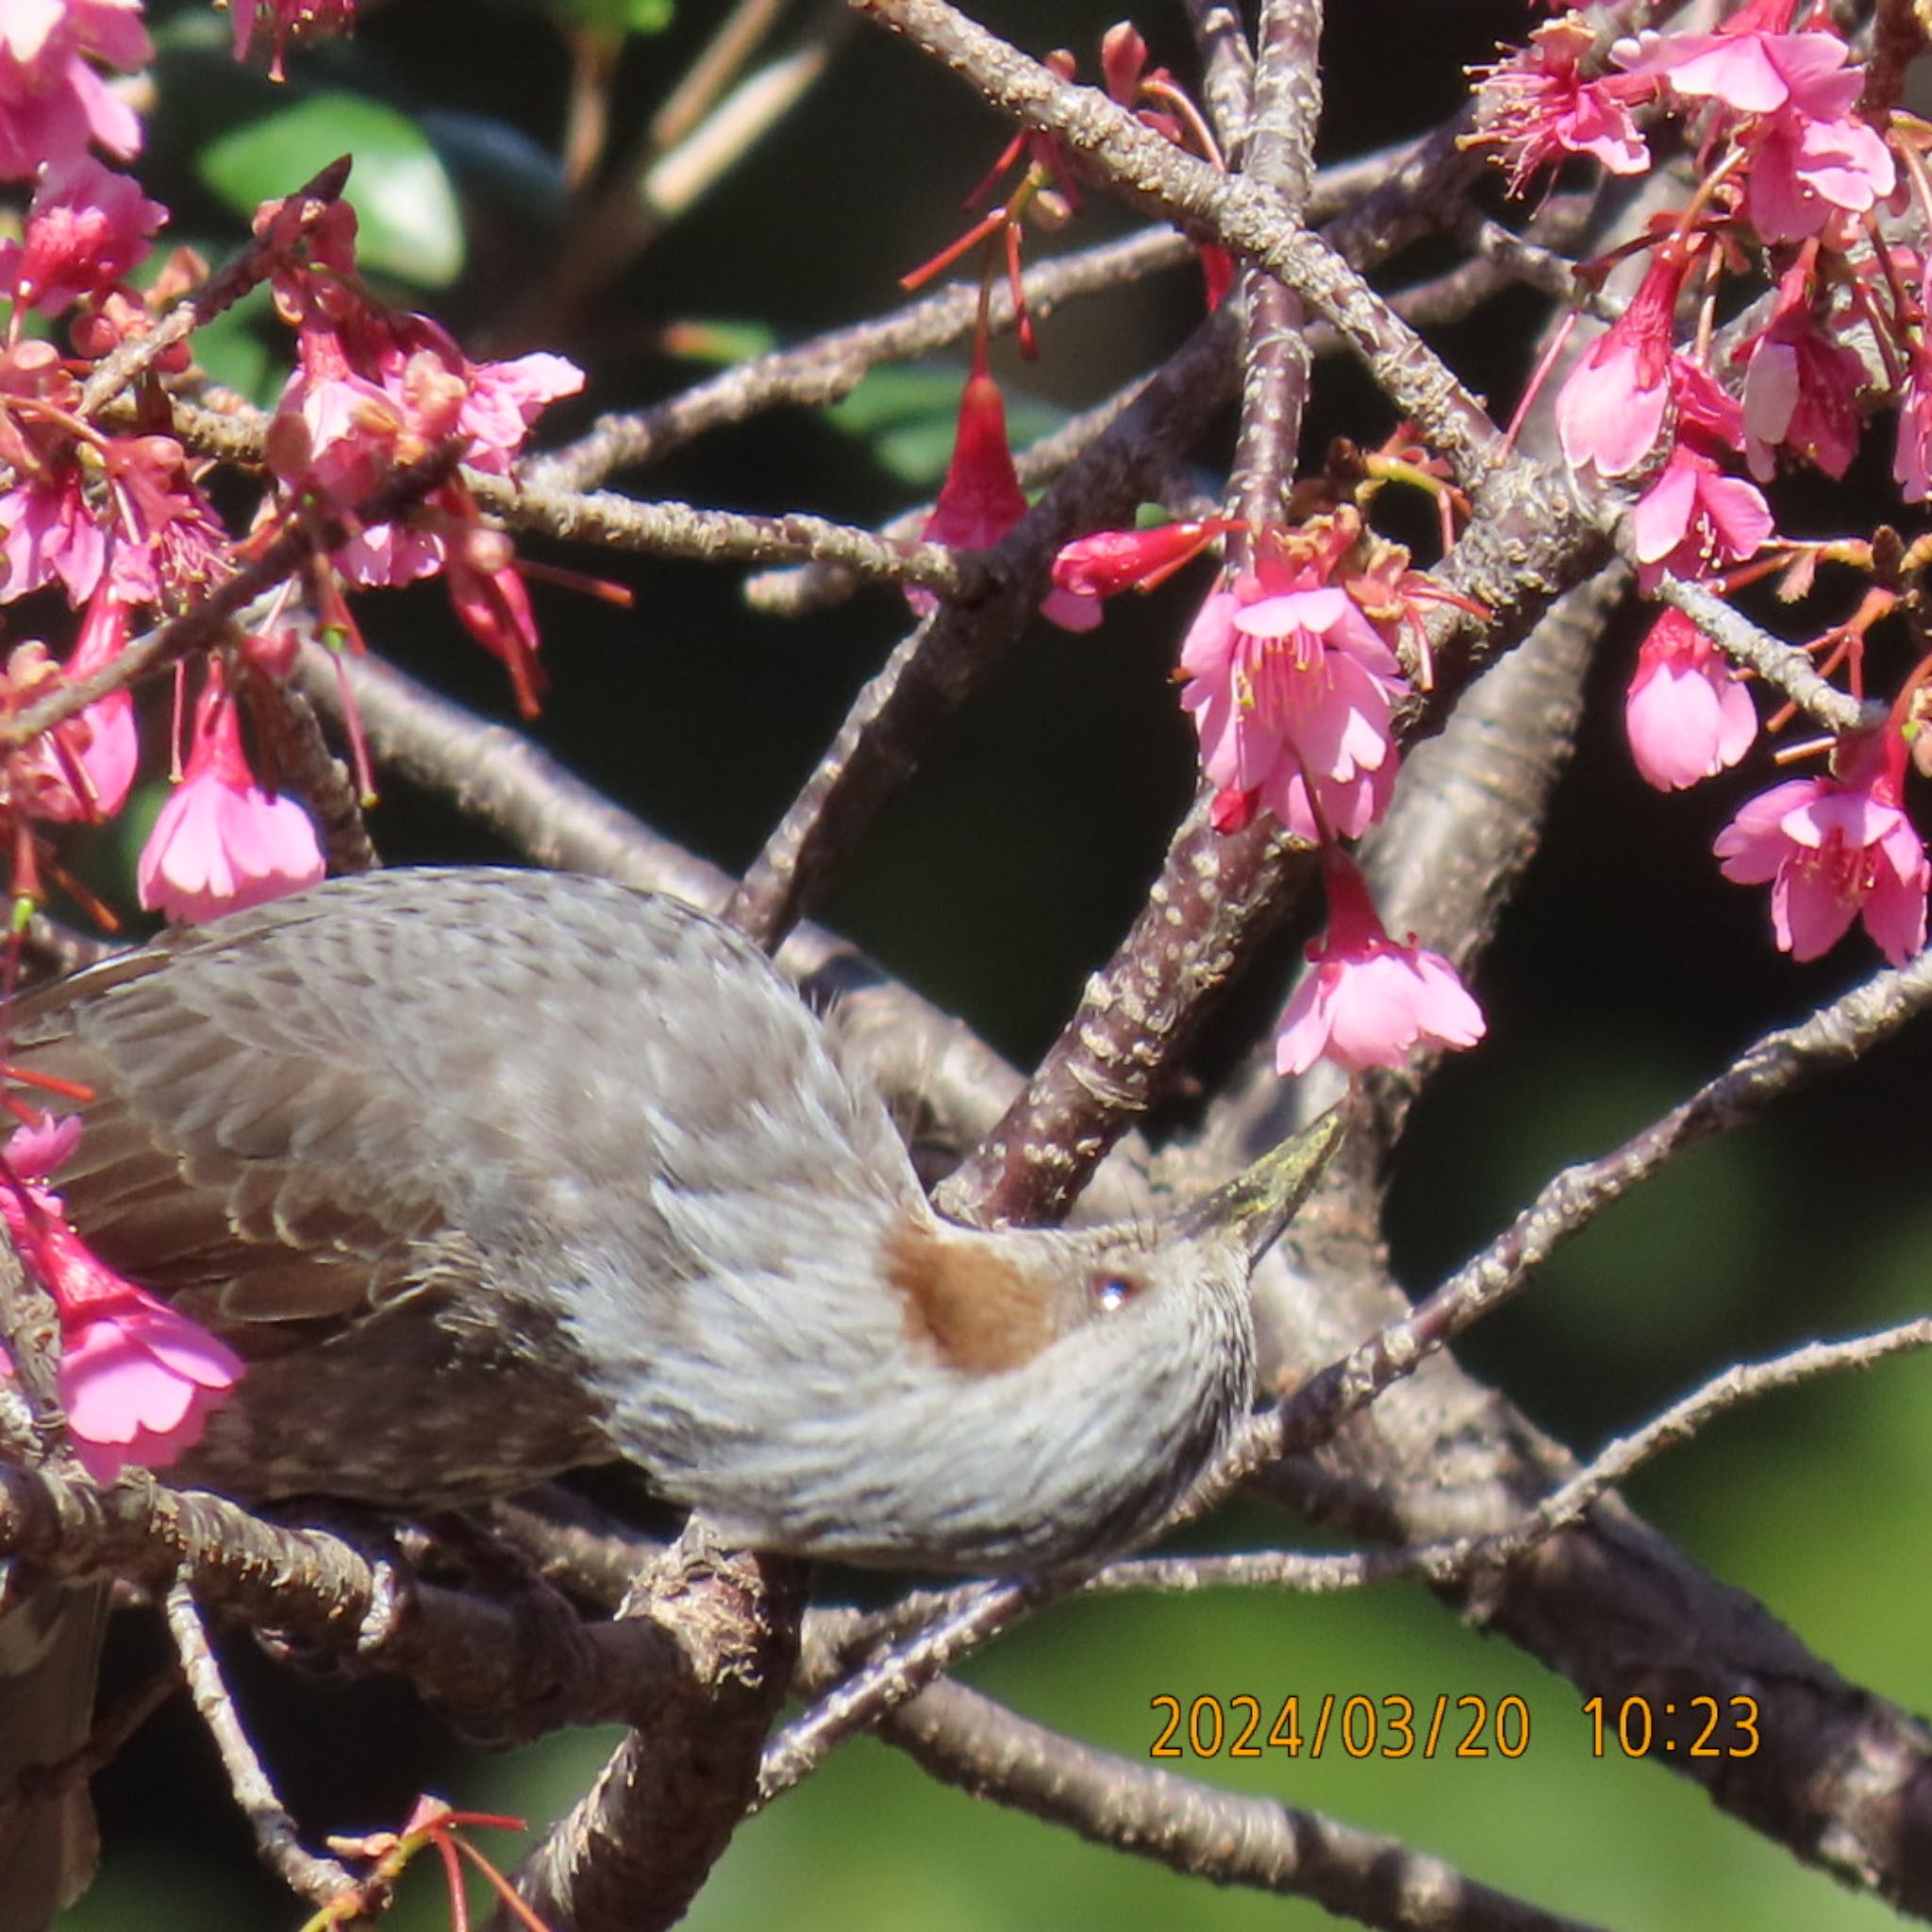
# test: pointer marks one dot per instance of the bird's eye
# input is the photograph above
(1112, 1292)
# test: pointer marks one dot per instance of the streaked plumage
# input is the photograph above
(489, 1174)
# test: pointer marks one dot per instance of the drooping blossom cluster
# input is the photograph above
(1793, 161)
(1785, 149)
(1688, 713)
(980, 500)
(1774, 109)
(136, 1380)
(112, 516)
(1294, 682)
(1293, 692)
(1785, 102)
(1837, 849)
(1631, 395)
(1367, 1001)
(1291, 675)
(117, 519)
(375, 389)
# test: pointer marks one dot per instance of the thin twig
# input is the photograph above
(636, 1848)
(614, 521)
(1783, 666)
(318, 1880)
(1278, 153)
(825, 368)
(1320, 1573)
(1729, 1390)
(737, 38)
(860, 1701)
(124, 365)
(1228, 70)
(1152, 173)
(1771, 1068)
(211, 620)
(720, 536)
(656, 185)
(793, 591)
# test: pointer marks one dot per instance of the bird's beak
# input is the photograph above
(1253, 1209)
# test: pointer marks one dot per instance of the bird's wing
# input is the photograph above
(260, 1179)
(292, 1105)
(278, 1125)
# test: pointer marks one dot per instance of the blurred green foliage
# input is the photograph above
(407, 224)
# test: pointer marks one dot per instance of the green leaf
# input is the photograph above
(409, 222)
(618, 17)
(718, 340)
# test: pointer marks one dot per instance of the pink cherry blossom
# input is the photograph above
(139, 1384)
(137, 1380)
(1790, 97)
(1708, 414)
(84, 768)
(1804, 172)
(1290, 687)
(151, 535)
(1688, 713)
(85, 228)
(1694, 520)
(1834, 850)
(375, 390)
(1911, 463)
(166, 545)
(288, 20)
(53, 103)
(51, 532)
(489, 596)
(35, 1150)
(1750, 66)
(1611, 407)
(1366, 1001)
(980, 500)
(334, 430)
(221, 843)
(502, 400)
(1801, 388)
(1537, 106)
(1111, 561)
(112, 750)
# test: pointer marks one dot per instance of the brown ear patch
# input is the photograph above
(973, 1308)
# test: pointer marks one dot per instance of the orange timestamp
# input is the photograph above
(1690, 1728)
(1393, 1727)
